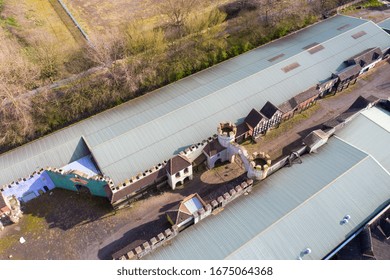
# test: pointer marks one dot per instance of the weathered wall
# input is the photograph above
(69, 182)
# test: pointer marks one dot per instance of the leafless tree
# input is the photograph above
(106, 49)
(323, 6)
(178, 10)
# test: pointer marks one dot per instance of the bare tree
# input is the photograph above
(106, 49)
(178, 11)
(17, 75)
(323, 6)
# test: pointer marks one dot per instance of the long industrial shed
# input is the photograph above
(302, 206)
(143, 132)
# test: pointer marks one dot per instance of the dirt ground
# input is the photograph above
(97, 17)
(67, 225)
(38, 20)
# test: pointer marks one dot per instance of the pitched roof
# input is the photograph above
(214, 147)
(138, 185)
(185, 209)
(254, 118)
(367, 56)
(177, 216)
(348, 72)
(307, 94)
(288, 106)
(269, 110)
(242, 128)
(199, 160)
(150, 129)
(176, 164)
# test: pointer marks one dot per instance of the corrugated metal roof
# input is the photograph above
(143, 132)
(48, 151)
(380, 116)
(385, 24)
(227, 92)
(370, 132)
(293, 209)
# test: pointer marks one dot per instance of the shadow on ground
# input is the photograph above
(133, 238)
(144, 232)
(65, 209)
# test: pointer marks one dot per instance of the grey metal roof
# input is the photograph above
(385, 24)
(295, 208)
(48, 151)
(187, 111)
(133, 137)
(370, 132)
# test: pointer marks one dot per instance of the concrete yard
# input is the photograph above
(67, 225)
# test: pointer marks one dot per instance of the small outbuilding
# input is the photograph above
(256, 122)
(182, 215)
(179, 170)
(315, 139)
(215, 153)
(272, 113)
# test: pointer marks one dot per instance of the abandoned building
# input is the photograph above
(272, 113)
(179, 169)
(320, 204)
(185, 213)
(353, 68)
(224, 148)
(128, 147)
(256, 122)
(9, 210)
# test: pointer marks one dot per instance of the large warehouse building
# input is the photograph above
(146, 132)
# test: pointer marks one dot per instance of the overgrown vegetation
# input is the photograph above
(367, 4)
(137, 58)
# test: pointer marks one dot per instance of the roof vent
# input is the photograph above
(306, 251)
(345, 220)
(290, 67)
(343, 27)
(272, 59)
(358, 35)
